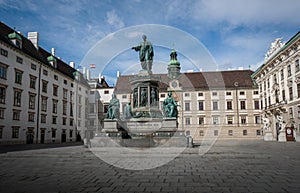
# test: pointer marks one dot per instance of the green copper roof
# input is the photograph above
(14, 35)
(173, 59)
(51, 58)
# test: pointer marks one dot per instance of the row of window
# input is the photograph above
(201, 94)
(15, 132)
(229, 120)
(215, 105)
(230, 132)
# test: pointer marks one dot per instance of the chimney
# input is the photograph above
(53, 51)
(72, 64)
(118, 74)
(88, 74)
(34, 38)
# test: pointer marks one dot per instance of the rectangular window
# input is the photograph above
(297, 68)
(161, 95)
(4, 52)
(228, 93)
(187, 121)
(64, 120)
(242, 92)
(31, 117)
(256, 105)
(71, 109)
(298, 90)
(65, 107)
(2, 94)
(214, 94)
(200, 106)
(187, 106)
(2, 113)
(43, 118)
(71, 96)
(33, 66)
(255, 92)
(229, 105)
(44, 86)
(3, 71)
(16, 115)
(291, 112)
(215, 120)
(245, 132)
(187, 94)
(44, 104)
(243, 120)
(53, 133)
(17, 97)
(201, 133)
(106, 92)
(281, 74)
(1, 131)
(65, 93)
(92, 107)
(54, 119)
(32, 81)
(55, 77)
(55, 89)
(243, 104)
(201, 121)
(283, 95)
(291, 93)
(200, 94)
(229, 120)
(31, 103)
(19, 60)
(257, 119)
(18, 76)
(71, 133)
(216, 132)
(71, 122)
(124, 96)
(65, 82)
(258, 132)
(54, 106)
(230, 133)
(215, 105)
(289, 70)
(15, 132)
(45, 72)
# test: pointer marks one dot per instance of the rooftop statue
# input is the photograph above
(146, 54)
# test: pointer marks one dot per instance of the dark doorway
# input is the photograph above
(42, 136)
(63, 136)
(29, 138)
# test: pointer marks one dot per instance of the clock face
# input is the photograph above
(289, 131)
(174, 84)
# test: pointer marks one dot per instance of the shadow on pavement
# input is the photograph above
(25, 147)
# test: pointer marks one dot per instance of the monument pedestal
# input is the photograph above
(109, 136)
(282, 136)
(269, 136)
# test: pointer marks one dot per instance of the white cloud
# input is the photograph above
(113, 19)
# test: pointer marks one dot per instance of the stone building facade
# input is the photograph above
(278, 80)
(42, 99)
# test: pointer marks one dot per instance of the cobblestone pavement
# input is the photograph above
(229, 166)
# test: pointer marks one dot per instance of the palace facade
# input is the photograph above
(278, 80)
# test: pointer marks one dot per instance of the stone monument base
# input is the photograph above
(282, 136)
(269, 136)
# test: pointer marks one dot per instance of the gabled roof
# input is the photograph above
(29, 49)
(198, 81)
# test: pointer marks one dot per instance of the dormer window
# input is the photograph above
(16, 39)
(52, 60)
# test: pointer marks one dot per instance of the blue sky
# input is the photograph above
(237, 33)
